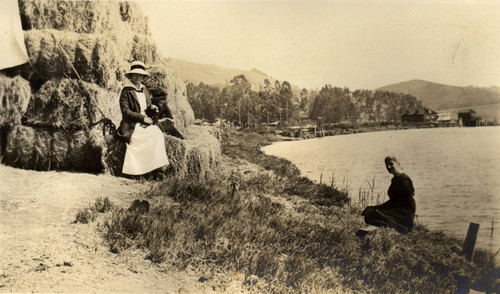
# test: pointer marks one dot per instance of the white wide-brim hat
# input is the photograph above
(137, 67)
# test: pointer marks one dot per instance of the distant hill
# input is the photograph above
(439, 96)
(214, 75)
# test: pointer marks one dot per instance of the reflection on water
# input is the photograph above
(455, 171)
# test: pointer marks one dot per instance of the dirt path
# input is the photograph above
(41, 250)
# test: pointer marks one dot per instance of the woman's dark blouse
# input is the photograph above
(400, 193)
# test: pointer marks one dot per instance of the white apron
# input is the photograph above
(146, 151)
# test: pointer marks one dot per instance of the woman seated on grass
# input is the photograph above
(398, 212)
(145, 142)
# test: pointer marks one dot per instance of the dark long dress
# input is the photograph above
(398, 212)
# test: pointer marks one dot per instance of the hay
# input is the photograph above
(65, 103)
(95, 151)
(195, 157)
(144, 49)
(42, 149)
(77, 150)
(60, 150)
(176, 151)
(50, 149)
(118, 21)
(132, 14)
(80, 150)
(95, 57)
(203, 152)
(87, 17)
(20, 146)
(15, 94)
(162, 77)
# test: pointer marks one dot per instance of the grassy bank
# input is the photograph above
(286, 234)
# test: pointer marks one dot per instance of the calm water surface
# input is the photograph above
(455, 171)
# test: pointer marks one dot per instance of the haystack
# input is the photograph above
(15, 94)
(95, 57)
(54, 149)
(203, 152)
(71, 104)
(20, 146)
(85, 17)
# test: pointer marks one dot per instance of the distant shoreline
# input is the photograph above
(287, 134)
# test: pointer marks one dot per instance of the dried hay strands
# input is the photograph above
(144, 49)
(95, 57)
(87, 17)
(132, 14)
(43, 149)
(15, 94)
(60, 150)
(48, 149)
(66, 104)
(195, 157)
(77, 149)
(20, 146)
(162, 77)
(176, 152)
(95, 151)
(203, 151)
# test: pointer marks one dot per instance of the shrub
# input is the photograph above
(88, 215)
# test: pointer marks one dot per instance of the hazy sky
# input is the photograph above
(358, 44)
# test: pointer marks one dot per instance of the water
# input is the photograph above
(455, 171)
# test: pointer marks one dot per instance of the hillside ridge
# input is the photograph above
(440, 96)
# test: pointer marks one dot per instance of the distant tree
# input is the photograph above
(304, 97)
(204, 100)
(193, 96)
(340, 105)
(235, 95)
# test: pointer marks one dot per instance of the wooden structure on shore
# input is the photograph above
(421, 115)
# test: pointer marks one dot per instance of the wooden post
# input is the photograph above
(470, 240)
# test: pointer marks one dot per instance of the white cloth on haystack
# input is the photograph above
(146, 151)
(12, 48)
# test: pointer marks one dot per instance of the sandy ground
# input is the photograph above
(42, 250)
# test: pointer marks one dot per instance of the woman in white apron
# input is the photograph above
(145, 141)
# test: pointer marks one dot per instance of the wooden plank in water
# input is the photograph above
(470, 240)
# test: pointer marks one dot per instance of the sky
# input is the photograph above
(355, 44)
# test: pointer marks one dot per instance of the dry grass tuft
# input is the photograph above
(88, 215)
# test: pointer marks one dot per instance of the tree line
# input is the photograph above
(241, 105)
